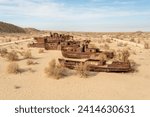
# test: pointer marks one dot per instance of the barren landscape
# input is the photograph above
(32, 82)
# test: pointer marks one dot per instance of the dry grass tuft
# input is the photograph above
(27, 54)
(106, 47)
(139, 41)
(31, 70)
(122, 55)
(50, 69)
(132, 40)
(54, 70)
(30, 62)
(17, 87)
(146, 45)
(120, 44)
(3, 52)
(81, 70)
(125, 55)
(108, 40)
(12, 56)
(21, 48)
(41, 50)
(59, 72)
(125, 44)
(13, 68)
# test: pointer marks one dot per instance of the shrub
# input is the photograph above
(108, 40)
(9, 40)
(17, 87)
(12, 56)
(132, 40)
(41, 51)
(81, 69)
(54, 70)
(31, 70)
(106, 47)
(10, 47)
(27, 54)
(118, 55)
(146, 45)
(59, 72)
(139, 41)
(30, 62)
(120, 44)
(134, 52)
(13, 68)
(125, 55)
(21, 48)
(50, 69)
(20, 53)
(99, 41)
(125, 44)
(3, 52)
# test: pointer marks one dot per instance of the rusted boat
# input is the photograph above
(83, 52)
(52, 42)
(97, 65)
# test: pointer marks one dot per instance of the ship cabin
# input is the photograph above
(80, 48)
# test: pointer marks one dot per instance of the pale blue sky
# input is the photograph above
(78, 15)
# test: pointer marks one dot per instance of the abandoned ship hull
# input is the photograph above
(107, 69)
(81, 55)
(96, 68)
(84, 55)
(54, 46)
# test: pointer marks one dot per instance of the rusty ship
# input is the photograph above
(97, 65)
(83, 52)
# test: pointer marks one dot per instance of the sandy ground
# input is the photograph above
(99, 86)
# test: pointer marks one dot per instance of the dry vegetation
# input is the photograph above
(3, 52)
(12, 56)
(41, 51)
(31, 70)
(27, 54)
(120, 44)
(125, 55)
(146, 45)
(122, 55)
(106, 47)
(81, 70)
(54, 70)
(30, 62)
(13, 68)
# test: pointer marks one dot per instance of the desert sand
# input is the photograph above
(34, 84)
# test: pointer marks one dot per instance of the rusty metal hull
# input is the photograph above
(52, 42)
(54, 46)
(85, 55)
(77, 55)
(108, 69)
(119, 67)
